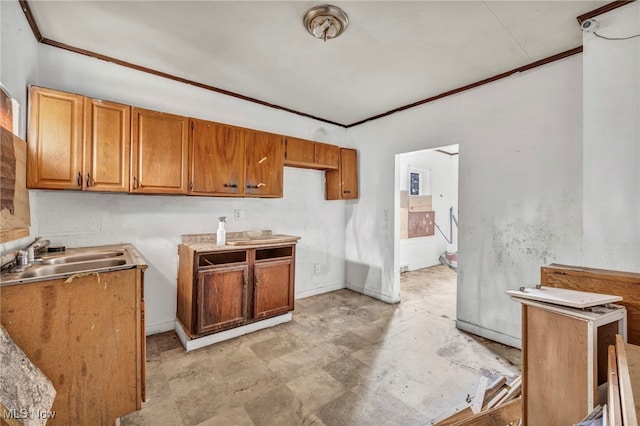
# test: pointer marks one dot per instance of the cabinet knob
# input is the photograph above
(230, 185)
(89, 180)
(135, 183)
(256, 281)
(79, 179)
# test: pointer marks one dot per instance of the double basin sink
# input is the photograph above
(55, 265)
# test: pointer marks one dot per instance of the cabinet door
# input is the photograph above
(222, 298)
(298, 153)
(216, 159)
(349, 172)
(326, 156)
(107, 146)
(160, 153)
(55, 139)
(273, 288)
(264, 164)
(342, 184)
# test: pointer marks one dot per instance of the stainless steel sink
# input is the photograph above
(66, 268)
(73, 262)
(81, 257)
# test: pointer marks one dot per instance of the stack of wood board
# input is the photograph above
(496, 403)
(623, 390)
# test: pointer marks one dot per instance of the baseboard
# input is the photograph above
(414, 266)
(489, 334)
(373, 293)
(158, 328)
(200, 342)
(320, 290)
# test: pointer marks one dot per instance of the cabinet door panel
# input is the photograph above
(342, 184)
(217, 159)
(299, 152)
(264, 164)
(107, 142)
(55, 139)
(327, 156)
(222, 298)
(160, 153)
(273, 288)
(349, 172)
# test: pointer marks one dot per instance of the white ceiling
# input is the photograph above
(393, 53)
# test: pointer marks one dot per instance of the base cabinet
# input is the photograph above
(86, 334)
(219, 290)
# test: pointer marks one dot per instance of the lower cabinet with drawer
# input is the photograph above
(232, 287)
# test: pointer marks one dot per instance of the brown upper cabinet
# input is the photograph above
(216, 159)
(310, 155)
(77, 143)
(229, 160)
(80, 143)
(264, 167)
(160, 153)
(342, 184)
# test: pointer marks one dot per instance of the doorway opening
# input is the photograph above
(426, 216)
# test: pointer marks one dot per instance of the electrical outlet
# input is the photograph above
(238, 215)
(316, 268)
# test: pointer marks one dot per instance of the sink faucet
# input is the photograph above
(27, 254)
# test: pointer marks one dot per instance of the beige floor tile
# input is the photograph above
(236, 416)
(345, 359)
(279, 406)
(315, 389)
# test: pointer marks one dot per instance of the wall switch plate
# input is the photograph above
(238, 215)
(316, 268)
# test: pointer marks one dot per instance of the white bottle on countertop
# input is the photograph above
(221, 237)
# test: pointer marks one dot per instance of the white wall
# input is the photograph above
(18, 66)
(520, 203)
(422, 252)
(612, 142)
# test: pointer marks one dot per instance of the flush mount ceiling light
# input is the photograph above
(326, 21)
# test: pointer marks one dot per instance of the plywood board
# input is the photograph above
(14, 198)
(420, 203)
(556, 348)
(404, 223)
(562, 297)
(613, 389)
(421, 224)
(404, 199)
(633, 365)
(629, 416)
(91, 322)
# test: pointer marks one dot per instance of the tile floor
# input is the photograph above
(344, 359)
